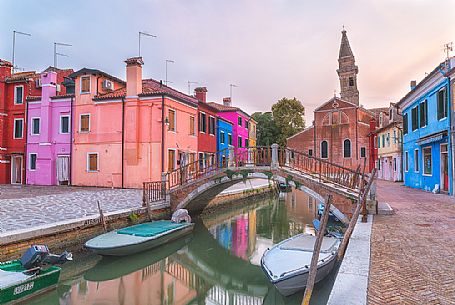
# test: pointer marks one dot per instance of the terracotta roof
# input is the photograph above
(5, 63)
(223, 108)
(62, 96)
(394, 123)
(150, 87)
(85, 71)
(33, 98)
(377, 111)
(21, 76)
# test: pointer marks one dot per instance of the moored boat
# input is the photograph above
(287, 264)
(141, 237)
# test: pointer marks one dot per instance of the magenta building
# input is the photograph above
(49, 132)
(239, 120)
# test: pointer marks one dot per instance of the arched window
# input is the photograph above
(327, 120)
(347, 148)
(324, 150)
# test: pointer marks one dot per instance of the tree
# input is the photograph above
(288, 117)
(267, 132)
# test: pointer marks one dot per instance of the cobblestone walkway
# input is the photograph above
(413, 251)
(28, 206)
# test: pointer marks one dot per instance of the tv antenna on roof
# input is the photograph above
(448, 47)
(189, 86)
(144, 34)
(59, 54)
(168, 61)
(230, 90)
(14, 44)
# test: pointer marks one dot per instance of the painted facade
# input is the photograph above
(49, 132)
(426, 114)
(224, 137)
(206, 133)
(15, 89)
(252, 125)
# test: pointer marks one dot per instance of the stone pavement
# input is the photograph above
(24, 207)
(413, 251)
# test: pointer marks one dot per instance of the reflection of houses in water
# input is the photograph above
(162, 283)
(219, 296)
(302, 208)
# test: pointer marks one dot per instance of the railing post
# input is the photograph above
(231, 162)
(275, 163)
(288, 157)
(250, 159)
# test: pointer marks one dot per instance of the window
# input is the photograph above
(239, 142)
(310, 152)
(381, 119)
(391, 114)
(171, 160)
(202, 122)
(427, 164)
(416, 160)
(247, 124)
(18, 132)
(324, 150)
(383, 140)
(192, 125)
(19, 95)
(171, 118)
(363, 152)
(394, 136)
(388, 139)
(406, 161)
(32, 161)
(92, 162)
(415, 118)
(347, 148)
(64, 124)
(394, 164)
(442, 104)
(35, 126)
(212, 125)
(239, 121)
(84, 121)
(405, 123)
(247, 143)
(351, 81)
(423, 109)
(85, 84)
(379, 164)
(379, 141)
(229, 139)
(222, 137)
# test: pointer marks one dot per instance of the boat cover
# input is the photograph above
(306, 243)
(150, 229)
(10, 278)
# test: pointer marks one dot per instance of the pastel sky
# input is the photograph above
(269, 49)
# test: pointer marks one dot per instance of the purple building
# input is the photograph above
(239, 120)
(49, 131)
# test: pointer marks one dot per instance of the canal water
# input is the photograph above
(218, 264)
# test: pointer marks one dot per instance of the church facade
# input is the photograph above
(341, 127)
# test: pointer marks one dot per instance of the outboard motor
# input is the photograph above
(38, 255)
(181, 215)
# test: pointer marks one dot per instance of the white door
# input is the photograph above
(63, 170)
(16, 169)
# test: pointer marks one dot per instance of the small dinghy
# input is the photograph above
(287, 264)
(27, 277)
(141, 237)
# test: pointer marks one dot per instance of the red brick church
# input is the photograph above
(341, 126)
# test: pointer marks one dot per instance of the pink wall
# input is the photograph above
(237, 130)
(49, 144)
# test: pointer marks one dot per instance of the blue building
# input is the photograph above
(427, 153)
(223, 137)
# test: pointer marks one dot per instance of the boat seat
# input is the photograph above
(8, 278)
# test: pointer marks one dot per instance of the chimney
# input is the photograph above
(413, 84)
(227, 101)
(201, 94)
(133, 76)
(5, 69)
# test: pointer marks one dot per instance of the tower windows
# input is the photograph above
(351, 81)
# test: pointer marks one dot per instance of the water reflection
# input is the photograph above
(218, 264)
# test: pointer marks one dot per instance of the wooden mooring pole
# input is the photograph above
(360, 203)
(102, 219)
(317, 248)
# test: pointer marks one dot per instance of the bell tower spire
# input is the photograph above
(347, 71)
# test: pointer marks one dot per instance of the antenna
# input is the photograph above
(14, 44)
(448, 47)
(144, 34)
(167, 61)
(230, 90)
(59, 54)
(189, 86)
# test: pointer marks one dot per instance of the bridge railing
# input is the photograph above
(322, 169)
(153, 192)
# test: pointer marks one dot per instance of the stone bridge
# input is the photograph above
(317, 176)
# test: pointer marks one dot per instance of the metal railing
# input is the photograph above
(153, 192)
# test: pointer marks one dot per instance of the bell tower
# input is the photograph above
(347, 71)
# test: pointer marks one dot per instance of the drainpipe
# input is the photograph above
(162, 133)
(71, 142)
(450, 135)
(123, 140)
(25, 130)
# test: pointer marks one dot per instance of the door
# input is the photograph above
(444, 168)
(63, 170)
(16, 169)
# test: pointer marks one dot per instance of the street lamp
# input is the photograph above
(59, 54)
(143, 34)
(14, 44)
(167, 61)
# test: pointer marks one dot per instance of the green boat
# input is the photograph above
(25, 278)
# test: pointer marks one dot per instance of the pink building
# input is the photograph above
(49, 130)
(239, 120)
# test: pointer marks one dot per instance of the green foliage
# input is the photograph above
(133, 217)
(288, 115)
(245, 172)
(288, 179)
(297, 184)
(267, 132)
(230, 173)
(268, 174)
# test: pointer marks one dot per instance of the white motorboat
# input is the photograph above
(287, 264)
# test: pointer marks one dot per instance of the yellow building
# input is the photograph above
(252, 140)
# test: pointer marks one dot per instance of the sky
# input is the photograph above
(268, 48)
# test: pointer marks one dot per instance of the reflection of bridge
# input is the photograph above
(180, 186)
